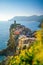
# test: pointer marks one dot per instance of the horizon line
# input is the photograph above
(19, 16)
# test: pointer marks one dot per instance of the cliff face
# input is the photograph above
(16, 30)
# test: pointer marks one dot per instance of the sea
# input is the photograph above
(4, 31)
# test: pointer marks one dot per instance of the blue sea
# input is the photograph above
(4, 31)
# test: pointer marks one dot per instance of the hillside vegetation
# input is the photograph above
(32, 55)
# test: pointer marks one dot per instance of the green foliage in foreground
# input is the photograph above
(32, 56)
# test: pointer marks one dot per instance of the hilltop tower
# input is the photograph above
(14, 21)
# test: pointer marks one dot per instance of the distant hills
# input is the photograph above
(27, 18)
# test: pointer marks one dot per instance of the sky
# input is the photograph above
(12, 8)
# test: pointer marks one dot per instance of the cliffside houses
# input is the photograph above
(23, 36)
(24, 42)
(23, 32)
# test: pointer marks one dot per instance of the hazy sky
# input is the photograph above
(11, 8)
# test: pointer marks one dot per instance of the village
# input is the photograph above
(20, 37)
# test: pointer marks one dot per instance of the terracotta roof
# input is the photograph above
(16, 32)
